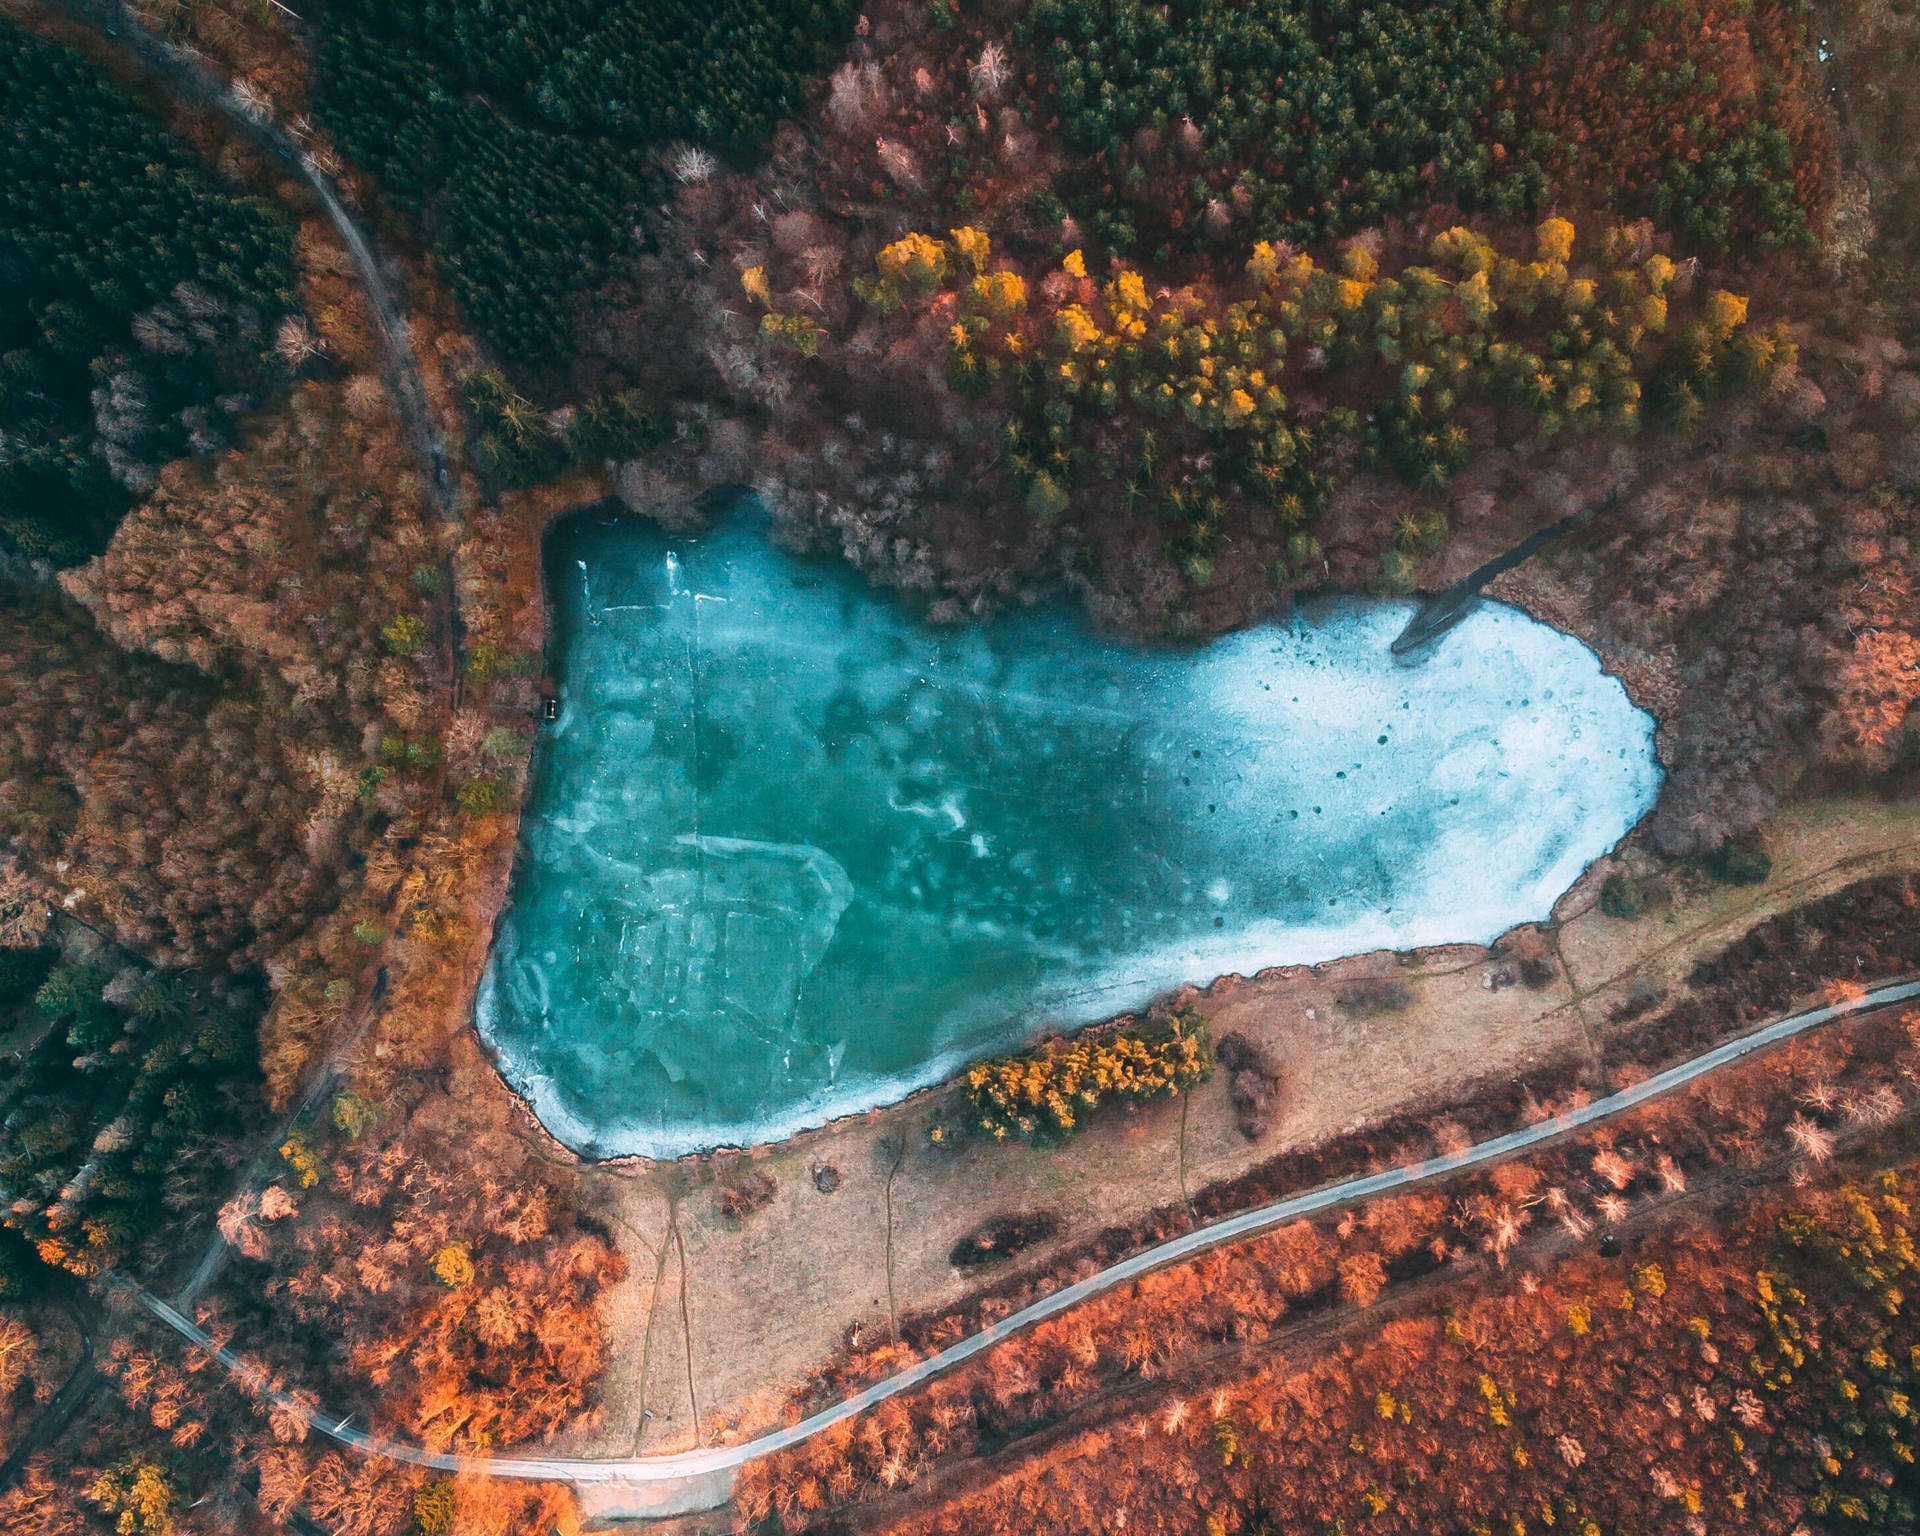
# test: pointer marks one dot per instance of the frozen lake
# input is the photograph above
(792, 853)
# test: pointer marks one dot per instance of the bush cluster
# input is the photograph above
(138, 295)
(521, 445)
(1048, 1093)
(518, 138)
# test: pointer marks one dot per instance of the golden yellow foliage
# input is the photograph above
(1726, 312)
(1358, 262)
(452, 1266)
(1000, 295)
(1076, 329)
(1554, 241)
(1048, 1092)
(973, 244)
(917, 259)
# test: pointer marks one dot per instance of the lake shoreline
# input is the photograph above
(1235, 956)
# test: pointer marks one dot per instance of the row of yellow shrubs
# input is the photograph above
(1046, 1094)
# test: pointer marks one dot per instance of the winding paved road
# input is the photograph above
(693, 1480)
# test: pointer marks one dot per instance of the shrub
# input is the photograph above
(404, 633)
(742, 1195)
(796, 333)
(1047, 1094)
(1622, 897)
(503, 744)
(1253, 1086)
(486, 661)
(1741, 861)
(1002, 1238)
(435, 1509)
(300, 1154)
(915, 260)
(452, 1266)
(482, 797)
(354, 1116)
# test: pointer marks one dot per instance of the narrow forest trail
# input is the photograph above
(68, 1401)
(179, 76)
(688, 1481)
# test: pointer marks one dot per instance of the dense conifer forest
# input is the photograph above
(1313, 120)
(520, 141)
(1300, 122)
(114, 1108)
(139, 295)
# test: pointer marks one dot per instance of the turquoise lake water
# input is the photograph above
(791, 852)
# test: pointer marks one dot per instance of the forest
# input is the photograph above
(1189, 311)
(1574, 337)
(1703, 115)
(1220, 122)
(158, 1067)
(1657, 1321)
(1751, 1380)
(530, 154)
(1210, 124)
(140, 301)
(523, 145)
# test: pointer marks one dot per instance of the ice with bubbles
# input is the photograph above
(791, 852)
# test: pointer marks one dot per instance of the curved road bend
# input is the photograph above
(702, 1479)
(177, 71)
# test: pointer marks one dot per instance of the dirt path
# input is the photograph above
(1299, 1341)
(181, 78)
(1357, 1040)
(73, 1395)
(702, 1479)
